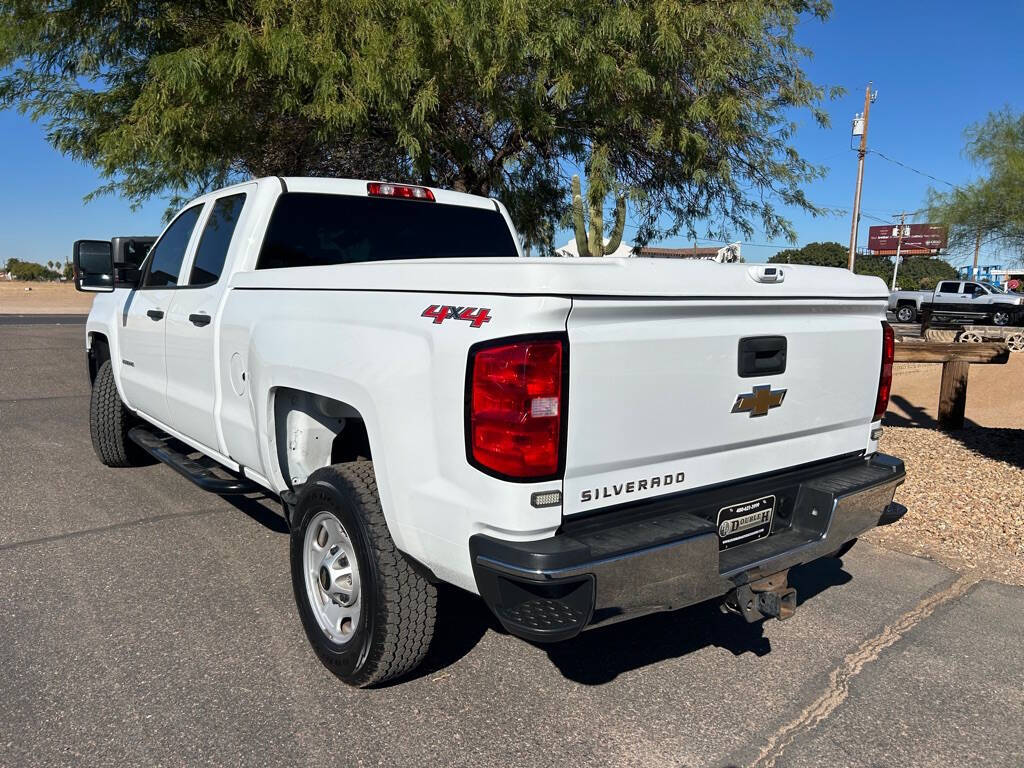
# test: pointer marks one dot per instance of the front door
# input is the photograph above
(192, 325)
(143, 320)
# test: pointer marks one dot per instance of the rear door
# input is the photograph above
(668, 396)
(191, 323)
(141, 336)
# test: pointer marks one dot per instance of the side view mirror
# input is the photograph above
(94, 266)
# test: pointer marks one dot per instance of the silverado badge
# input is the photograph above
(760, 401)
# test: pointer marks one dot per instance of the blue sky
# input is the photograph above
(937, 66)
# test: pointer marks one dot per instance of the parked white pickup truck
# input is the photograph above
(959, 299)
(578, 441)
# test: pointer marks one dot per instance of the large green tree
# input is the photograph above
(915, 272)
(693, 102)
(992, 207)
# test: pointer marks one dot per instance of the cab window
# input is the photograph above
(949, 287)
(166, 256)
(215, 240)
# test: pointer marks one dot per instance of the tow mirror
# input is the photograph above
(94, 266)
(128, 255)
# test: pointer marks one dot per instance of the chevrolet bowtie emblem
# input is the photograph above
(758, 402)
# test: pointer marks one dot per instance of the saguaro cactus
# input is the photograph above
(593, 244)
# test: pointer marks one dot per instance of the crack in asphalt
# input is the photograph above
(107, 528)
(40, 399)
(838, 688)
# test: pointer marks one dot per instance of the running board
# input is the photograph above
(160, 448)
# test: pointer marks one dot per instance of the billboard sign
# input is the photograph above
(929, 237)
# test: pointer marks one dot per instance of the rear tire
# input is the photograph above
(109, 422)
(368, 613)
(906, 314)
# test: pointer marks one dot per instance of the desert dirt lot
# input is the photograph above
(42, 299)
(964, 489)
(143, 622)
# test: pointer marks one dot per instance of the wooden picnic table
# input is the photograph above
(956, 359)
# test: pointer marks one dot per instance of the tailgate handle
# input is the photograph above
(762, 356)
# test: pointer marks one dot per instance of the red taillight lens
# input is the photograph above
(516, 408)
(406, 191)
(885, 377)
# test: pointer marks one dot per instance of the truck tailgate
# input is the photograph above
(654, 386)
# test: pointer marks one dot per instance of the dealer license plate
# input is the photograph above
(749, 521)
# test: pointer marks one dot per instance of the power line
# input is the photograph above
(911, 168)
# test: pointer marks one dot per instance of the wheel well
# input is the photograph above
(314, 431)
(99, 353)
(906, 303)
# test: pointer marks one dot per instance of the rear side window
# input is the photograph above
(948, 287)
(216, 237)
(168, 253)
(308, 229)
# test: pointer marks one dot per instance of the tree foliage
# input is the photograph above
(30, 270)
(915, 272)
(994, 205)
(693, 101)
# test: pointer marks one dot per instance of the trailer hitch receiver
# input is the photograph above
(767, 598)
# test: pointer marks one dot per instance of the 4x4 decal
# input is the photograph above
(476, 317)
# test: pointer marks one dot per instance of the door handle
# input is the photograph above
(155, 314)
(761, 356)
(199, 320)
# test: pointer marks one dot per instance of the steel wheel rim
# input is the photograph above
(1001, 318)
(331, 574)
(903, 315)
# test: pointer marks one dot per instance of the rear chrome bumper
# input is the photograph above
(664, 554)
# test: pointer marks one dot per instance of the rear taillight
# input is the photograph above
(516, 408)
(405, 191)
(885, 376)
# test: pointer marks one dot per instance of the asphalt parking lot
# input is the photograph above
(144, 622)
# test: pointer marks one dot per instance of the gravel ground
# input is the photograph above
(965, 499)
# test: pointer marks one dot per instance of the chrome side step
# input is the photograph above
(161, 447)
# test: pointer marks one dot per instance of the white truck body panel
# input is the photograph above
(623, 428)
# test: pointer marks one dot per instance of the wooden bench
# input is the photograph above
(956, 362)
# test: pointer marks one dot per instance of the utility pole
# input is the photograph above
(899, 247)
(869, 97)
(977, 247)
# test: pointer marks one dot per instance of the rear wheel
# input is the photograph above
(906, 313)
(109, 422)
(368, 613)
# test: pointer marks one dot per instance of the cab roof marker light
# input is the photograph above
(404, 191)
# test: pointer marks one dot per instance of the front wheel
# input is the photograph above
(368, 613)
(109, 422)
(1000, 317)
(905, 314)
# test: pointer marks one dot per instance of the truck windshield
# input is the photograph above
(309, 229)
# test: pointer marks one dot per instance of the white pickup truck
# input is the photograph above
(959, 300)
(578, 441)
